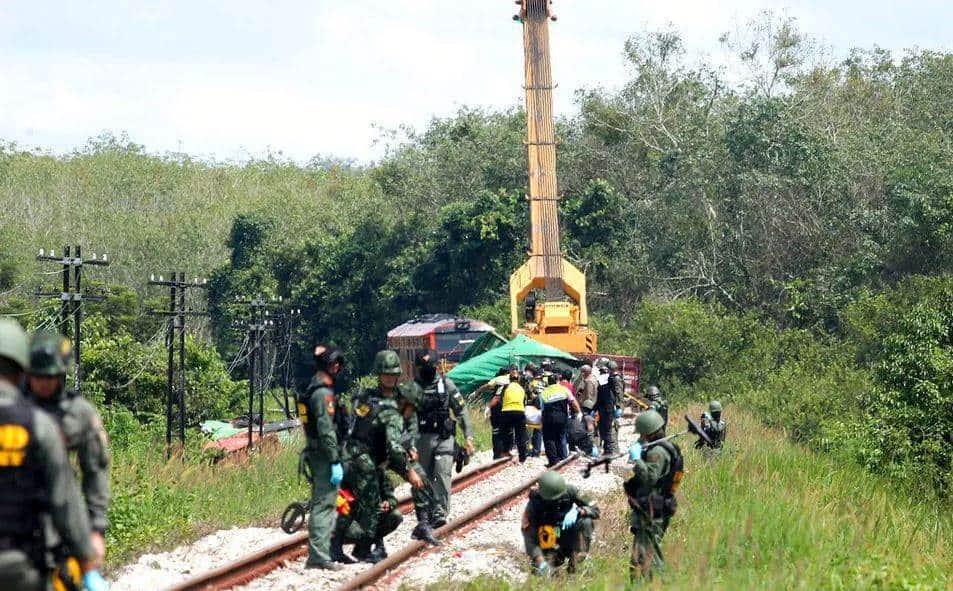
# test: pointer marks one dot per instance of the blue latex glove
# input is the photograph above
(570, 519)
(543, 569)
(337, 474)
(635, 451)
(595, 451)
(618, 413)
(93, 581)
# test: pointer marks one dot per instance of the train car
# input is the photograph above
(444, 335)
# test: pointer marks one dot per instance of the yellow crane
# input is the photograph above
(550, 290)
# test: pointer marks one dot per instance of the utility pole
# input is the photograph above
(283, 337)
(175, 380)
(72, 296)
(277, 317)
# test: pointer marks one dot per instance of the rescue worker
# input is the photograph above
(714, 426)
(588, 389)
(497, 384)
(36, 482)
(374, 443)
(657, 472)
(317, 407)
(512, 403)
(442, 407)
(557, 524)
(606, 405)
(51, 356)
(558, 404)
(657, 403)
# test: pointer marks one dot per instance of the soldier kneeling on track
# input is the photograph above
(557, 524)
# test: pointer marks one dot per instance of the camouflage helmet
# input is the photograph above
(387, 362)
(14, 344)
(602, 362)
(649, 422)
(612, 365)
(552, 485)
(654, 393)
(412, 393)
(714, 406)
(51, 354)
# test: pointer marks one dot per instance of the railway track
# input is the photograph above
(485, 483)
(257, 564)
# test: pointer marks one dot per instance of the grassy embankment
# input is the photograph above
(158, 504)
(771, 515)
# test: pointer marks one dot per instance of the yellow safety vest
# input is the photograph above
(514, 398)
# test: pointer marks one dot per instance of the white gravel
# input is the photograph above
(495, 546)
(156, 571)
(295, 578)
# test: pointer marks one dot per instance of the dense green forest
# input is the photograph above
(782, 239)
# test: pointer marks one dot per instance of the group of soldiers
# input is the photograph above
(407, 428)
(52, 530)
(558, 522)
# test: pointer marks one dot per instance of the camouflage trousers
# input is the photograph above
(363, 478)
(387, 519)
(647, 537)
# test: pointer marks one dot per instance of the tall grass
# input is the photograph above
(159, 503)
(771, 515)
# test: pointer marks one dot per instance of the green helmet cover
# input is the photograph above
(649, 422)
(552, 485)
(51, 354)
(714, 406)
(387, 362)
(14, 343)
(412, 393)
(612, 365)
(653, 393)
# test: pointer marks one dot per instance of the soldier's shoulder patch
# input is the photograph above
(362, 409)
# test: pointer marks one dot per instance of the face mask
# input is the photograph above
(427, 373)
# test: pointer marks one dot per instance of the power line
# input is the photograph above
(175, 377)
(72, 295)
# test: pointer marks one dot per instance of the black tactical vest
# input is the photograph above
(434, 413)
(308, 422)
(544, 512)
(23, 488)
(365, 429)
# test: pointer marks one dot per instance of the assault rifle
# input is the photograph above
(606, 460)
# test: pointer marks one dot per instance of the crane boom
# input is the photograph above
(561, 320)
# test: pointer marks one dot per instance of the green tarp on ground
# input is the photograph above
(489, 340)
(473, 373)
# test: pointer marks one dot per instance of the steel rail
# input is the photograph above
(394, 561)
(255, 565)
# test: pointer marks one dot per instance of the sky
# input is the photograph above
(234, 79)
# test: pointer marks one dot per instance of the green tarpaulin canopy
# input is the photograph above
(473, 373)
(489, 340)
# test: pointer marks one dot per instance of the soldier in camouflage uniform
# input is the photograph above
(557, 524)
(715, 427)
(441, 408)
(51, 355)
(316, 411)
(374, 444)
(657, 472)
(36, 482)
(657, 403)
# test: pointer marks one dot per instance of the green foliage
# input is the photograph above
(770, 515)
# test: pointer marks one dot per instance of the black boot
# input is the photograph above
(337, 552)
(363, 553)
(424, 532)
(438, 521)
(380, 550)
